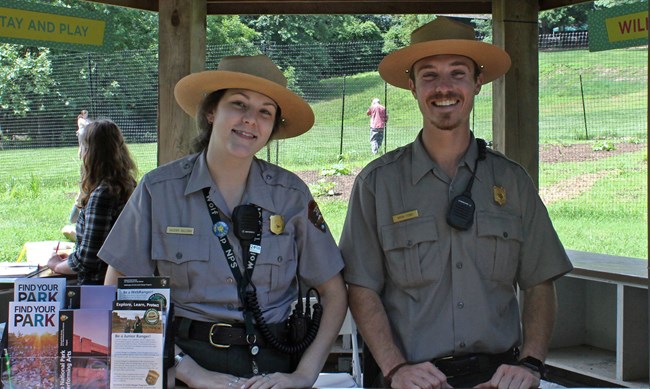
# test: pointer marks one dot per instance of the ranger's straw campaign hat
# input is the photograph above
(443, 36)
(257, 73)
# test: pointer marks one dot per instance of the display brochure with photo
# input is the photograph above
(49, 289)
(90, 296)
(144, 288)
(32, 344)
(137, 344)
(84, 348)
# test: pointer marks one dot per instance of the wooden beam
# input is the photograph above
(550, 4)
(145, 5)
(327, 7)
(181, 48)
(259, 7)
(515, 114)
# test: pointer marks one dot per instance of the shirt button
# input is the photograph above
(460, 305)
(461, 345)
(459, 265)
(268, 176)
(505, 234)
(280, 259)
(179, 255)
(409, 243)
(231, 307)
(230, 280)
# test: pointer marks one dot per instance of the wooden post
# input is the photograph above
(181, 52)
(515, 114)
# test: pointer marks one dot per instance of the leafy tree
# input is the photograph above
(25, 72)
(399, 35)
(297, 30)
(222, 30)
(575, 16)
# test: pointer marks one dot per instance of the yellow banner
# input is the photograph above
(38, 26)
(627, 27)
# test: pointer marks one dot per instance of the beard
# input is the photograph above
(445, 121)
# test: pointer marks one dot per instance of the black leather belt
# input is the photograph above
(222, 334)
(455, 366)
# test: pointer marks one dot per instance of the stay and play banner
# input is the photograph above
(49, 26)
(618, 27)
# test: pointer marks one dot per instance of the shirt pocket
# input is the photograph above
(499, 240)
(412, 252)
(182, 258)
(275, 269)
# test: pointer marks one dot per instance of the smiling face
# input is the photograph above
(445, 86)
(242, 123)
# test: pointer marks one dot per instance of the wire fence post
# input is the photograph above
(386, 123)
(584, 111)
(342, 117)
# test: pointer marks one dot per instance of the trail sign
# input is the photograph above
(618, 27)
(49, 26)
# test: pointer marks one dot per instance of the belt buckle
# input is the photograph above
(443, 359)
(212, 332)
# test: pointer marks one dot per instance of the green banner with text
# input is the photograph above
(619, 27)
(44, 25)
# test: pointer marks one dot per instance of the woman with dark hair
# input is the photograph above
(236, 235)
(108, 177)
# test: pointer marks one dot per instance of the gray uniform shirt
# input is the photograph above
(448, 292)
(166, 226)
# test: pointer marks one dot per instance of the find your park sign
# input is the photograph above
(619, 27)
(48, 26)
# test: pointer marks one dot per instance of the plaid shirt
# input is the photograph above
(95, 222)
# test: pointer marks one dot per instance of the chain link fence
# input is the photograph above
(593, 114)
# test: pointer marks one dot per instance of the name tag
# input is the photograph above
(405, 216)
(180, 230)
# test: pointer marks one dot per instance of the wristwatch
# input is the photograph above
(534, 364)
(178, 358)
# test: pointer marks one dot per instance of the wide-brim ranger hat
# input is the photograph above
(257, 73)
(443, 36)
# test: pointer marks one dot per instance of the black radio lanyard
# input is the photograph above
(220, 230)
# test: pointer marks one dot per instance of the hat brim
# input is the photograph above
(494, 61)
(297, 115)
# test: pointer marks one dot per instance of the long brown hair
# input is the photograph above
(106, 158)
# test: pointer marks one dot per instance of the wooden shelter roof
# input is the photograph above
(255, 7)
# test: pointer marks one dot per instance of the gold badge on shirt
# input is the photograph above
(499, 193)
(277, 224)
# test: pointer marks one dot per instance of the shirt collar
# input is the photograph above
(200, 176)
(258, 186)
(423, 164)
(256, 191)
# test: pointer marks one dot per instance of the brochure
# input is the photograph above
(137, 345)
(50, 289)
(84, 348)
(32, 344)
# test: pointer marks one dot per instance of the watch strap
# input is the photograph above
(534, 364)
